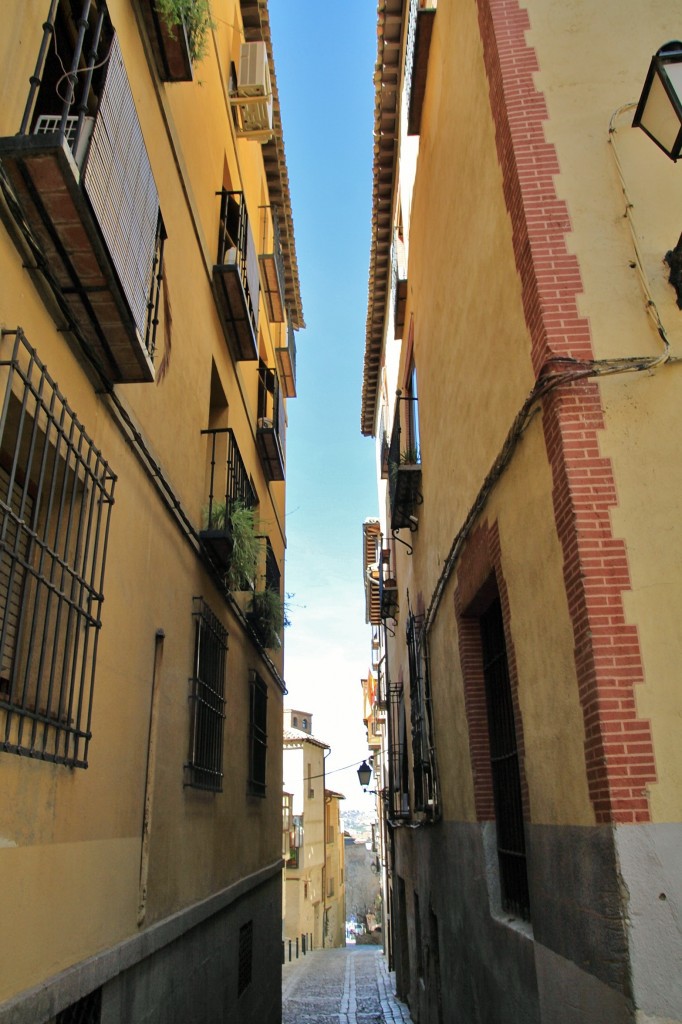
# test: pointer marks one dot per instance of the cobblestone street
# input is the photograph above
(341, 986)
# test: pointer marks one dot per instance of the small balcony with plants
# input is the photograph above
(228, 535)
(79, 186)
(178, 34)
(404, 466)
(236, 284)
(266, 613)
(270, 427)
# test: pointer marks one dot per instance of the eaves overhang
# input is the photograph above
(256, 18)
(390, 17)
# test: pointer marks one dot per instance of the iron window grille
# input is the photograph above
(421, 716)
(258, 734)
(398, 776)
(504, 760)
(204, 768)
(271, 425)
(237, 276)
(56, 493)
(245, 954)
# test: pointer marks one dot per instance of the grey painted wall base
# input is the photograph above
(650, 860)
(182, 970)
(569, 965)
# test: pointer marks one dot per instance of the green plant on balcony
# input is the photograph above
(409, 457)
(239, 522)
(195, 15)
(267, 615)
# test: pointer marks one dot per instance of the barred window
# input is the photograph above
(423, 752)
(56, 493)
(399, 798)
(504, 759)
(204, 769)
(245, 963)
(258, 734)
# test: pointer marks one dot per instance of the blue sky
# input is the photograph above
(324, 58)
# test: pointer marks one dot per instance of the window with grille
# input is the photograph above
(56, 493)
(398, 784)
(204, 769)
(258, 734)
(245, 965)
(504, 759)
(423, 752)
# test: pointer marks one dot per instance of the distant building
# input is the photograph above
(314, 881)
(523, 570)
(149, 300)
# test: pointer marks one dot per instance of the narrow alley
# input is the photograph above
(348, 986)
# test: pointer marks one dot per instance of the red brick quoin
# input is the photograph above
(618, 745)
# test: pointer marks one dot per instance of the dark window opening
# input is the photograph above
(204, 769)
(504, 759)
(87, 1010)
(423, 751)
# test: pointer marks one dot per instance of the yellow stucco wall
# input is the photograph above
(70, 840)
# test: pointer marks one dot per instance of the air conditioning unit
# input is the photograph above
(253, 87)
(49, 124)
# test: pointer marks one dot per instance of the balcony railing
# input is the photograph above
(272, 264)
(235, 278)
(420, 29)
(404, 466)
(286, 361)
(229, 485)
(270, 429)
(79, 184)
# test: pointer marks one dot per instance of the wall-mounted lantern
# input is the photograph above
(659, 111)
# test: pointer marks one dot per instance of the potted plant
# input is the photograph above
(178, 31)
(230, 536)
(267, 616)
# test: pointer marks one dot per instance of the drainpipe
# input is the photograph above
(150, 776)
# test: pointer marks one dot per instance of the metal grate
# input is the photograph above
(56, 493)
(245, 964)
(258, 734)
(87, 1010)
(504, 758)
(398, 784)
(423, 753)
(204, 769)
(236, 245)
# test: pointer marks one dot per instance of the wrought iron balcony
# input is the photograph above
(404, 466)
(79, 184)
(420, 29)
(171, 45)
(270, 429)
(235, 278)
(229, 485)
(272, 265)
(286, 361)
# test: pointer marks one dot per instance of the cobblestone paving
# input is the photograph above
(341, 986)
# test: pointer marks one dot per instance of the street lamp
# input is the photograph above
(364, 774)
(659, 111)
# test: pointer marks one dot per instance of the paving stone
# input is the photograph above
(341, 986)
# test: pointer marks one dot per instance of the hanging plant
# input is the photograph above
(195, 16)
(238, 521)
(268, 616)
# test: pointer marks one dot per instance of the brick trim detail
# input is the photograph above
(619, 751)
(479, 580)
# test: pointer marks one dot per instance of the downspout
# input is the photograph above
(150, 777)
